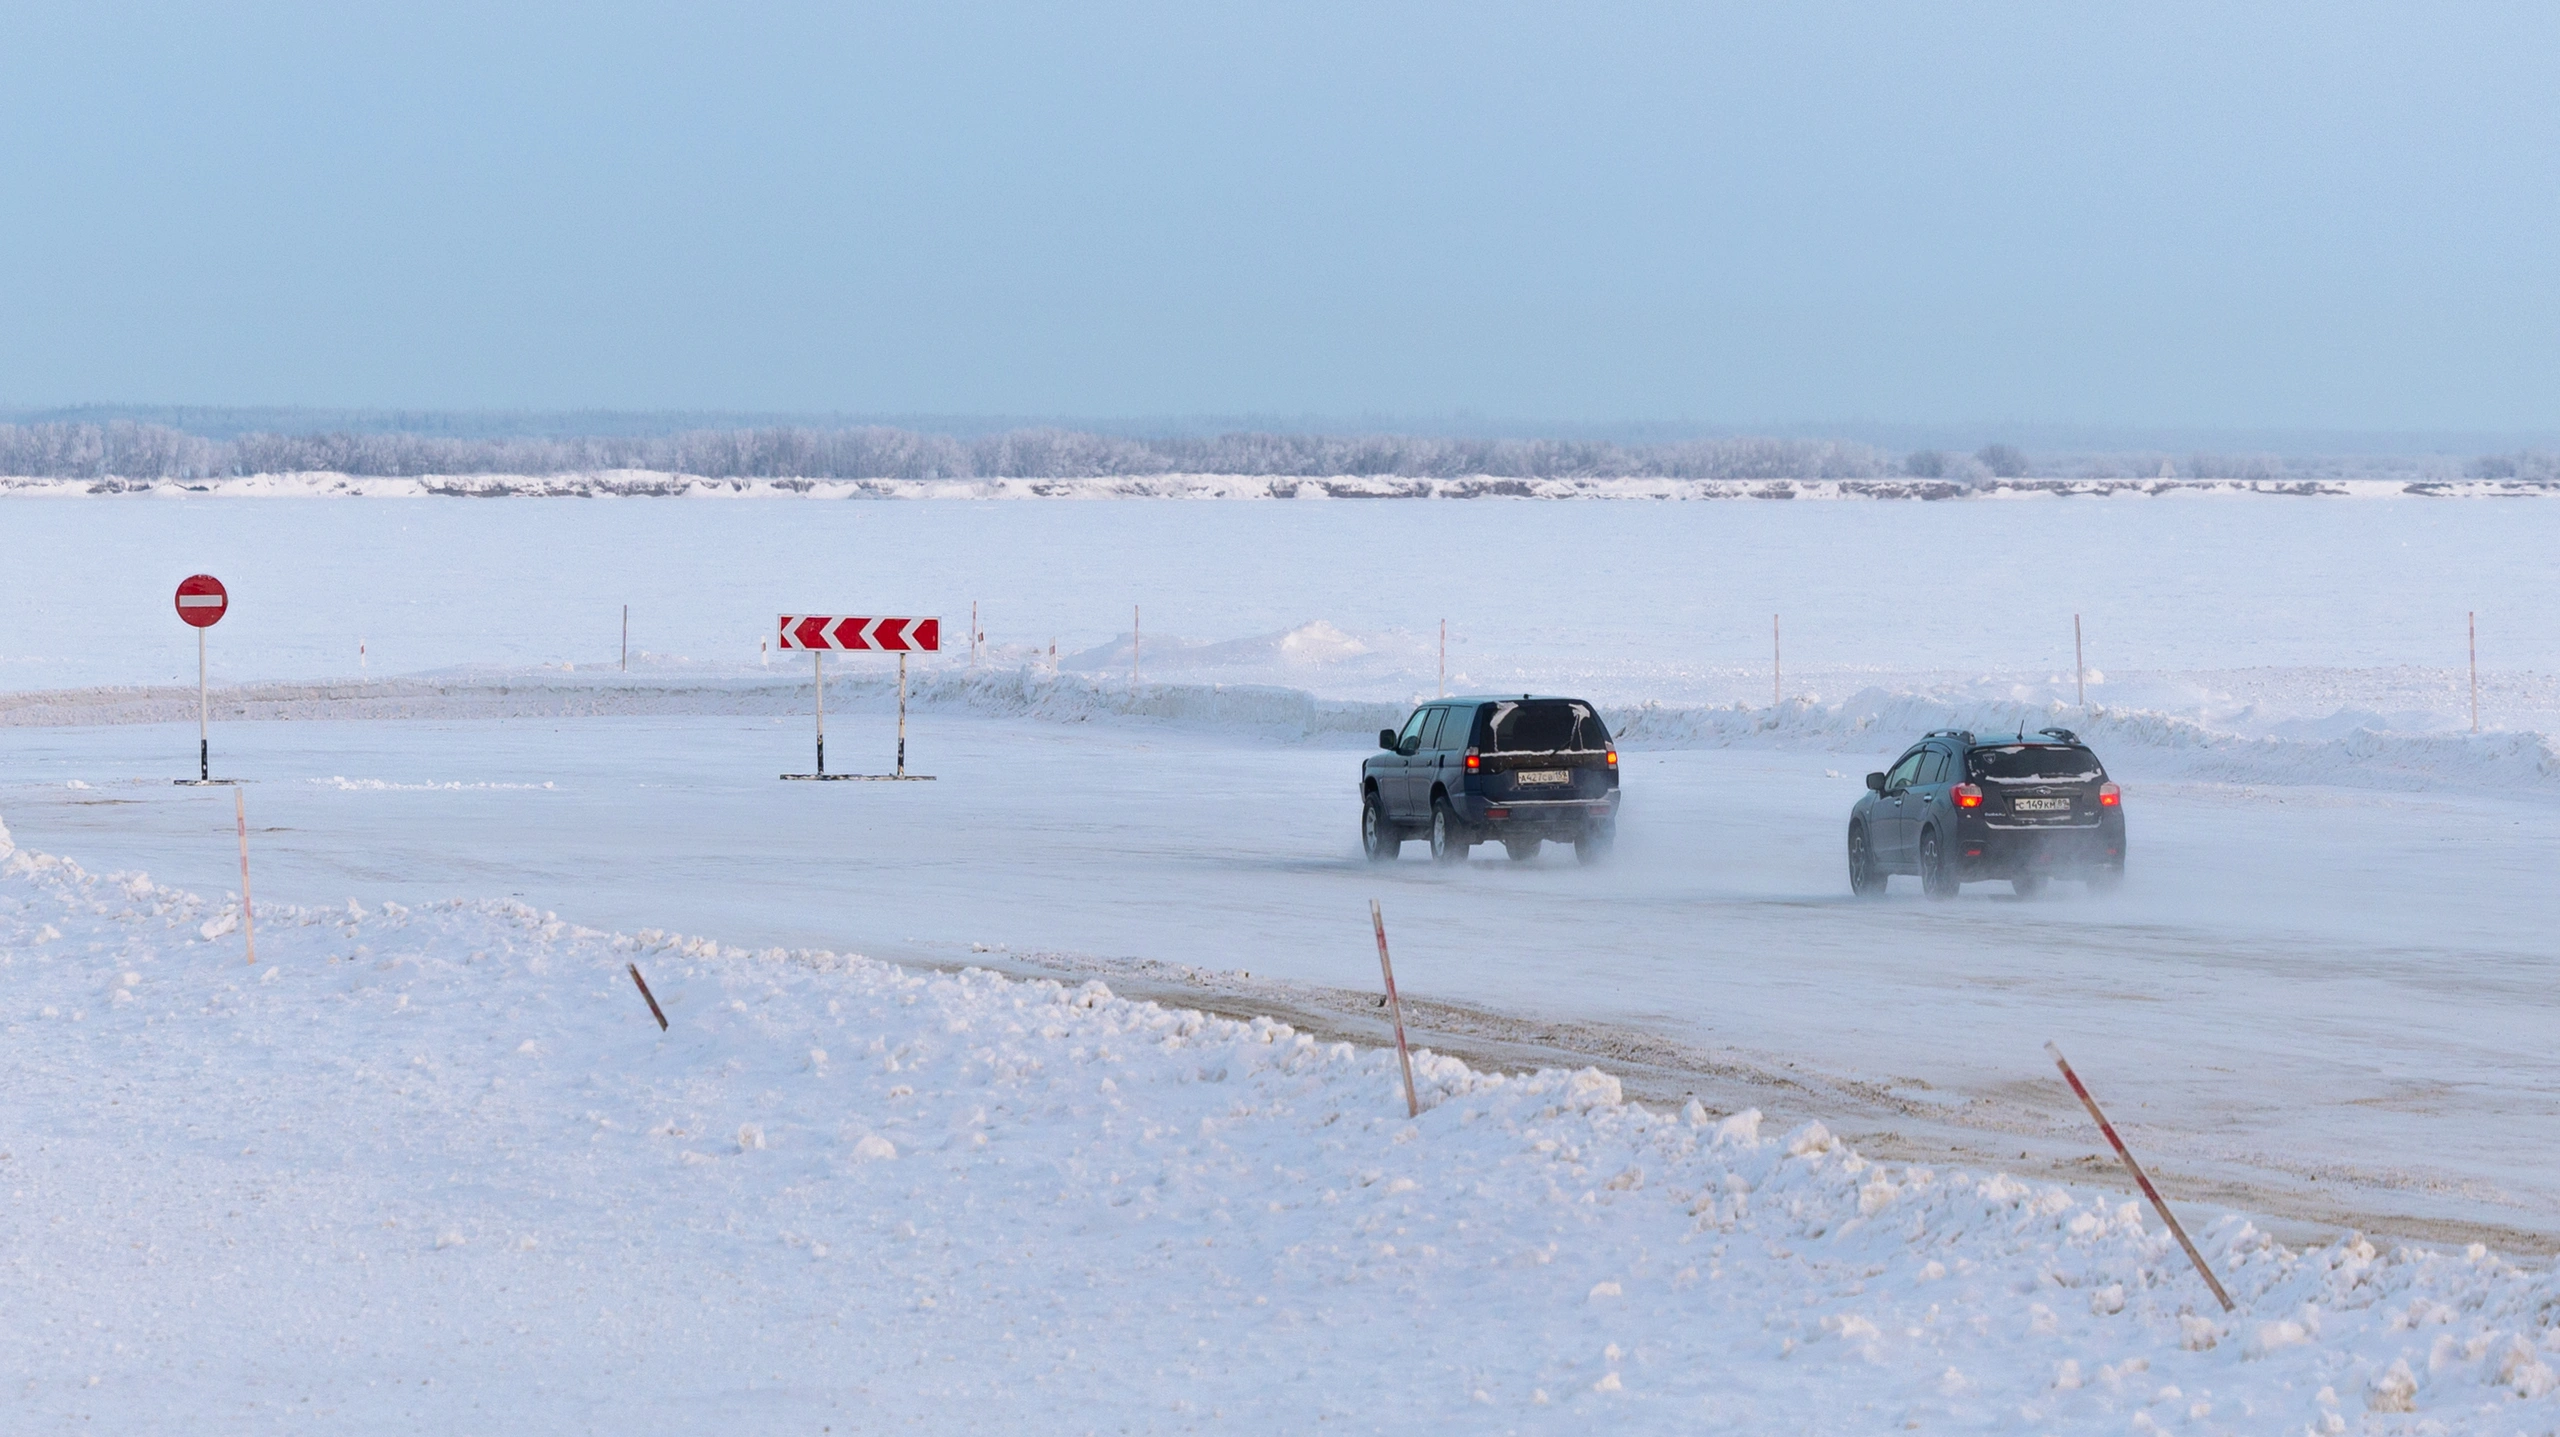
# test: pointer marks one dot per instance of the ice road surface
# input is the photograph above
(434, 1169)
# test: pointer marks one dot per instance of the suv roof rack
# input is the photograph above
(1965, 734)
(2060, 735)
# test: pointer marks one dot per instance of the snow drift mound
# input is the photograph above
(418, 1165)
(2140, 742)
(1875, 720)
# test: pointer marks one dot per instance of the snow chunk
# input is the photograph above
(2395, 1390)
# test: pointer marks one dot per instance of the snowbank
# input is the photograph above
(2153, 744)
(420, 1165)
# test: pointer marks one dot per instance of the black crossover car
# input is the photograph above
(1955, 809)
(1517, 771)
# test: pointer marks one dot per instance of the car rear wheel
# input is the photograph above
(1522, 849)
(1449, 843)
(2028, 885)
(1937, 875)
(1866, 880)
(1595, 843)
(1378, 838)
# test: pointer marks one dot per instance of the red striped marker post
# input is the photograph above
(1395, 1005)
(2141, 1178)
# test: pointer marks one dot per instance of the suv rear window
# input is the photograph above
(2023, 762)
(1544, 726)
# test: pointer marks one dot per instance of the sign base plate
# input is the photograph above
(862, 777)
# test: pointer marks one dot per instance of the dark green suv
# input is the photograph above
(1514, 771)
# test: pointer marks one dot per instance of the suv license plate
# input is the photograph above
(2041, 805)
(1545, 775)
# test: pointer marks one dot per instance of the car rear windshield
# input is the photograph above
(1543, 726)
(2027, 762)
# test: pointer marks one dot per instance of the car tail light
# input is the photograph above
(2110, 796)
(1966, 795)
(1473, 763)
(1497, 813)
(1613, 758)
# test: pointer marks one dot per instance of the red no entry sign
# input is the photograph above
(202, 601)
(861, 633)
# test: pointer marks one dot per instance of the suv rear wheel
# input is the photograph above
(1449, 843)
(1937, 876)
(1378, 838)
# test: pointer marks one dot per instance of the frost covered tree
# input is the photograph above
(2005, 461)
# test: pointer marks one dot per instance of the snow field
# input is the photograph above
(434, 1168)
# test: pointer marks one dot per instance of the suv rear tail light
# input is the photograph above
(2110, 796)
(1473, 763)
(1966, 795)
(1613, 758)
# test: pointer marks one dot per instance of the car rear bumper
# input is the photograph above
(1544, 815)
(1984, 851)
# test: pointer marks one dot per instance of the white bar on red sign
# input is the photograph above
(860, 633)
(199, 601)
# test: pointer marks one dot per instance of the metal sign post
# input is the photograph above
(820, 633)
(202, 601)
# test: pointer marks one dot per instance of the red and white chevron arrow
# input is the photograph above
(861, 632)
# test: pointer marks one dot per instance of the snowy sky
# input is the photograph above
(2330, 215)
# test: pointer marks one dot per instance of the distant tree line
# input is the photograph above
(131, 450)
(127, 450)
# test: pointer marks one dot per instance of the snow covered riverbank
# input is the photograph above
(422, 1167)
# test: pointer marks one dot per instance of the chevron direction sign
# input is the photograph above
(861, 633)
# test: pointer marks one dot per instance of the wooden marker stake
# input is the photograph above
(2141, 1178)
(1395, 1005)
(652, 998)
(248, 916)
(2079, 664)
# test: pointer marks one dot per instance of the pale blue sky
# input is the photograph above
(2327, 216)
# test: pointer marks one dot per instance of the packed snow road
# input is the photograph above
(2324, 1004)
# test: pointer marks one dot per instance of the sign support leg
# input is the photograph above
(902, 715)
(204, 711)
(818, 666)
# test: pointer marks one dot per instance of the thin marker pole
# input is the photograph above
(2079, 664)
(818, 666)
(2474, 621)
(204, 716)
(902, 715)
(2139, 1176)
(1395, 1005)
(248, 915)
(654, 1010)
